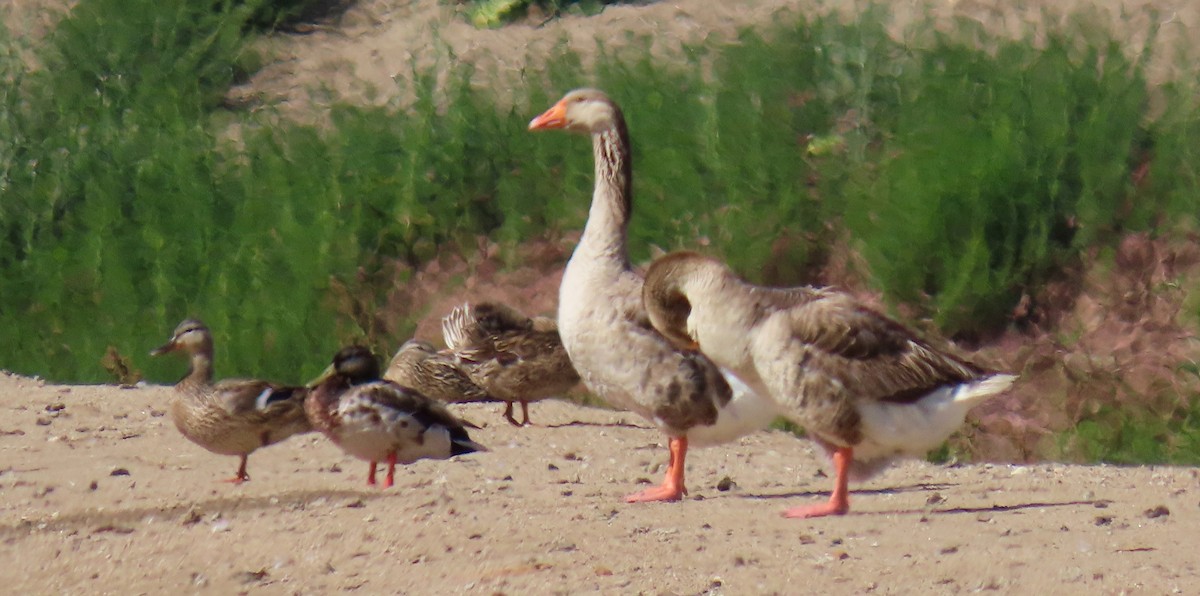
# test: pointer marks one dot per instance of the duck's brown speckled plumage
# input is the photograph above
(233, 416)
(603, 323)
(377, 420)
(864, 386)
(420, 366)
(513, 357)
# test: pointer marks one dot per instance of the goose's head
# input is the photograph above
(582, 110)
(191, 336)
(666, 295)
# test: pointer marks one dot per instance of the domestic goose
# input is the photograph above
(863, 386)
(603, 324)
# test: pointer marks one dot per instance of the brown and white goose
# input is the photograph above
(862, 385)
(511, 356)
(603, 323)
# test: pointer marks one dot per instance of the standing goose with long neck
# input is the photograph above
(862, 385)
(603, 323)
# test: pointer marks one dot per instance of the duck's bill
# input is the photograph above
(555, 117)
(324, 376)
(163, 349)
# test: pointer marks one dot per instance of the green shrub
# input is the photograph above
(964, 176)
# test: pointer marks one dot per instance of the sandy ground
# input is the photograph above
(102, 495)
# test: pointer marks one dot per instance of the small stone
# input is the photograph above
(949, 550)
(119, 472)
(43, 421)
(725, 484)
(250, 577)
(1104, 520)
(93, 485)
(1157, 512)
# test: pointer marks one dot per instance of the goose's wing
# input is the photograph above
(827, 348)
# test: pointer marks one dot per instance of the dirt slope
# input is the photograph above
(360, 55)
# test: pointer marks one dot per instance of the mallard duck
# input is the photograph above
(377, 420)
(866, 388)
(234, 416)
(603, 323)
(513, 357)
(419, 366)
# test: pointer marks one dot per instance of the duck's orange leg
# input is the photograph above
(391, 477)
(241, 476)
(672, 488)
(371, 475)
(839, 501)
(508, 414)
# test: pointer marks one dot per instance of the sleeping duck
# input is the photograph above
(511, 356)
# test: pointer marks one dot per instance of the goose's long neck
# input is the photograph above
(608, 219)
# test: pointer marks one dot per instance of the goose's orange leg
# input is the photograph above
(371, 475)
(241, 476)
(672, 488)
(839, 501)
(391, 477)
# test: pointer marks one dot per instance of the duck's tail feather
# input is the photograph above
(457, 327)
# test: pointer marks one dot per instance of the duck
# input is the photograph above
(420, 366)
(866, 388)
(603, 323)
(376, 420)
(232, 416)
(513, 357)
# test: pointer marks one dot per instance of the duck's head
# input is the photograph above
(357, 364)
(353, 364)
(417, 346)
(191, 336)
(582, 110)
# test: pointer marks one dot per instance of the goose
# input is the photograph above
(603, 324)
(421, 367)
(513, 357)
(866, 388)
(233, 416)
(377, 420)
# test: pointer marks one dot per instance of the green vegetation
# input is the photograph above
(966, 169)
(493, 13)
